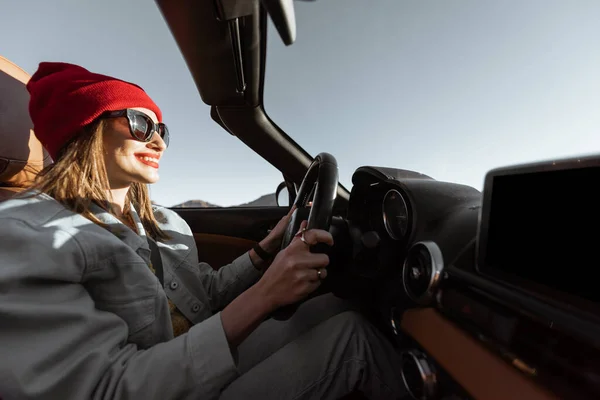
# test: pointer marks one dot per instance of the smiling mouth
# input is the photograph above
(149, 161)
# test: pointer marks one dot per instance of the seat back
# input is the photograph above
(21, 154)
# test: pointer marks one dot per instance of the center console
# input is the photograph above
(525, 289)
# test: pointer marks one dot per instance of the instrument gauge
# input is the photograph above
(395, 215)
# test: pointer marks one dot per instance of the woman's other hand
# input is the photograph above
(272, 243)
(293, 275)
(295, 271)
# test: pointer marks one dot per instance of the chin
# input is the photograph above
(146, 179)
(149, 180)
(147, 176)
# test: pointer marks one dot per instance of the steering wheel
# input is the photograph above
(322, 176)
(322, 180)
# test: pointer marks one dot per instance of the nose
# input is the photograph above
(157, 143)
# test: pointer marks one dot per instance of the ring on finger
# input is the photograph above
(303, 238)
(319, 273)
(300, 232)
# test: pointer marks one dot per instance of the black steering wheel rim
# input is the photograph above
(322, 175)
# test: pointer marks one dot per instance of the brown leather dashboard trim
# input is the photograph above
(218, 250)
(483, 374)
(225, 240)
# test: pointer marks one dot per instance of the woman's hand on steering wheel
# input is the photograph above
(295, 271)
(272, 242)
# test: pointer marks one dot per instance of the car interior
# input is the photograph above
(480, 292)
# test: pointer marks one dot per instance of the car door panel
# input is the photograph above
(219, 250)
(222, 234)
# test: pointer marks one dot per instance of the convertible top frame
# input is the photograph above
(224, 44)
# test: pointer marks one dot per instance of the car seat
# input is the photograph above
(21, 154)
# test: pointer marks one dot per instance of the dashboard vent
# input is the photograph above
(421, 271)
(418, 375)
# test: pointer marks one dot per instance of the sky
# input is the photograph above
(448, 88)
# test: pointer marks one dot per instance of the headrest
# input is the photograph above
(21, 154)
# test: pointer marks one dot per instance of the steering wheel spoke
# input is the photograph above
(319, 187)
(321, 180)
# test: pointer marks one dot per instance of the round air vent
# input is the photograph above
(421, 271)
(418, 375)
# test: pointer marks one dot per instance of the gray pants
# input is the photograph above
(325, 351)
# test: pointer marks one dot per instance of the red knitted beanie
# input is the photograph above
(66, 97)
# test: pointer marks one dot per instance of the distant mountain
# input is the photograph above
(268, 200)
(196, 204)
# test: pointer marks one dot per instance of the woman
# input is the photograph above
(89, 310)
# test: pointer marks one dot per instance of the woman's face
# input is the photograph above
(127, 159)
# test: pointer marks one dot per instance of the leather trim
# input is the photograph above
(14, 70)
(483, 374)
(219, 250)
(22, 155)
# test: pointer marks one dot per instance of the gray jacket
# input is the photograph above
(82, 315)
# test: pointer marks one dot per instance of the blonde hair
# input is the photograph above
(78, 178)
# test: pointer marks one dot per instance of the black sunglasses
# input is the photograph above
(141, 126)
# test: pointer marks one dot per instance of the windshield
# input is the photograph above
(450, 89)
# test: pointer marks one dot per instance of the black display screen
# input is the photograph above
(541, 231)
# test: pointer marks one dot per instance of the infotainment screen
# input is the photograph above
(540, 229)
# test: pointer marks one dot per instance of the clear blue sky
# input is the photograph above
(449, 88)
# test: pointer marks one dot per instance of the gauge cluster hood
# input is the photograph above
(370, 174)
(429, 190)
(445, 212)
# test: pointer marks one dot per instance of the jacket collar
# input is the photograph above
(138, 242)
(122, 231)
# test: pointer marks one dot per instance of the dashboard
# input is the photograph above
(480, 300)
(392, 210)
